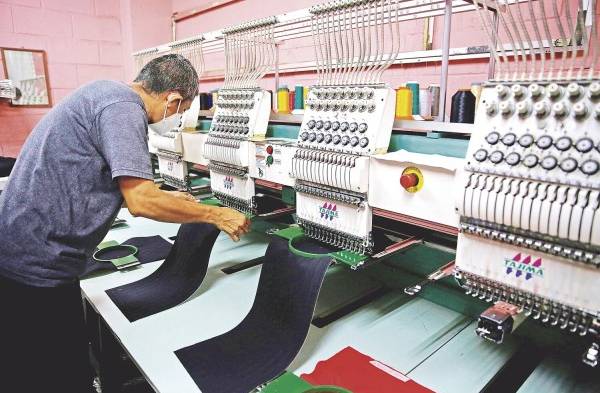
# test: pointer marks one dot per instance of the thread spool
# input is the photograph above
(404, 102)
(414, 88)
(283, 100)
(434, 91)
(424, 103)
(204, 102)
(210, 101)
(306, 91)
(215, 97)
(463, 107)
(292, 100)
(299, 97)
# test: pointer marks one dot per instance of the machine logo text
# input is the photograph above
(523, 265)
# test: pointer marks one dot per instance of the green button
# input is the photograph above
(269, 160)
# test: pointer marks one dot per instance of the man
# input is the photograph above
(80, 162)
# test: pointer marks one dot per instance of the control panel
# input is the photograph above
(530, 201)
(272, 160)
(354, 120)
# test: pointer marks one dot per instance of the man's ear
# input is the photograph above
(174, 97)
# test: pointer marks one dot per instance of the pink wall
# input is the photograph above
(466, 31)
(84, 40)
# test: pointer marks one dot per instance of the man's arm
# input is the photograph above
(144, 199)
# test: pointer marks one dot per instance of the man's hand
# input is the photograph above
(232, 222)
(144, 199)
(182, 195)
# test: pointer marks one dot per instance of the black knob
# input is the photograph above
(584, 145)
(590, 167)
(509, 139)
(327, 125)
(354, 141)
(568, 165)
(549, 163)
(530, 160)
(513, 159)
(526, 140)
(336, 139)
(544, 142)
(343, 126)
(492, 138)
(480, 155)
(345, 140)
(312, 136)
(319, 125)
(335, 125)
(364, 142)
(563, 143)
(496, 157)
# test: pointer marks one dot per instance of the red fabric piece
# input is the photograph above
(360, 373)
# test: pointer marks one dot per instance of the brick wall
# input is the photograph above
(84, 40)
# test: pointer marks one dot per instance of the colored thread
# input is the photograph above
(299, 97)
(283, 100)
(215, 97)
(463, 107)
(434, 91)
(424, 103)
(414, 88)
(404, 102)
(292, 99)
(204, 101)
(210, 101)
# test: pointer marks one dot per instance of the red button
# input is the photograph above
(409, 180)
(269, 149)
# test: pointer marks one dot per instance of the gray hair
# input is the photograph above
(169, 73)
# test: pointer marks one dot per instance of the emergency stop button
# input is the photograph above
(269, 149)
(411, 179)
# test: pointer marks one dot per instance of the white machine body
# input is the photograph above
(240, 116)
(193, 147)
(272, 160)
(432, 200)
(530, 188)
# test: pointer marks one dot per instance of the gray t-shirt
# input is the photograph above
(63, 194)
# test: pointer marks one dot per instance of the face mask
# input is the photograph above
(167, 123)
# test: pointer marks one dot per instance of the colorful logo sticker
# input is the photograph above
(523, 266)
(228, 182)
(328, 211)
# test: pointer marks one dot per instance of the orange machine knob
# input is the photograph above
(409, 180)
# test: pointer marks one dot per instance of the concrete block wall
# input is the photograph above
(84, 40)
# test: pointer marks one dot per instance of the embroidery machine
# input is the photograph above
(412, 178)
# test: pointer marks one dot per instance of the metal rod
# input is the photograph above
(494, 43)
(445, 60)
(276, 78)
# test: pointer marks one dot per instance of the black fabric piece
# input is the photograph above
(306, 244)
(175, 280)
(6, 165)
(150, 249)
(267, 203)
(43, 340)
(264, 344)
